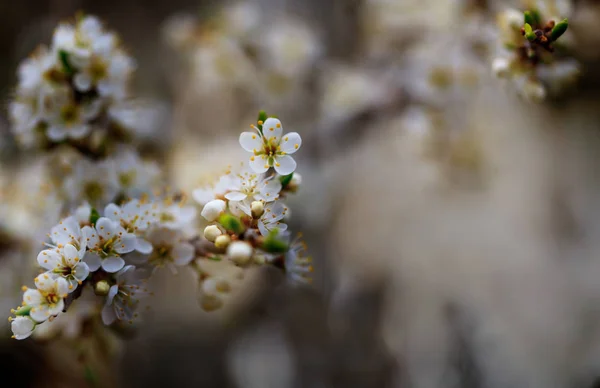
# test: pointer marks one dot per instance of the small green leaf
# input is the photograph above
(23, 311)
(528, 17)
(285, 180)
(559, 29)
(64, 60)
(529, 34)
(232, 223)
(90, 376)
(273, 244)
(94, 215)
(532, 17)
(528, 29)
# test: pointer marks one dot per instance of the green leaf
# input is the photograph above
(532, 17)
(90, 376)
(559, 29)
(528, 29)
(529, 34)
(528, 18)
(273, 244)
(94, 215)
(285, 180)
(64, 60)
(23, 311)
(232, 223)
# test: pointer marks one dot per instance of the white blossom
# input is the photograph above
(106, 242)
(271, 219)
(135, 217)
(208, 193)
(135, 176)
(95, 182)
(124, 296)
(270, 148)
(169, 249)
(48, 299)
(66, 262)
(22, 327)
(247, 185)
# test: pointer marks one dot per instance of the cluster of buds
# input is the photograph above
(532, 55)
(76, 91)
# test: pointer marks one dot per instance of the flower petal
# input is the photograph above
(81, 271)
(113, 212)
(91, 236)
(106, 227)
(143, 246)
(272, 129)
(57, 308)
(126, 244)
(71, 255)
(251, 141)
(284, 165)
(290, 142)
(108, 314)
(235, 196)
(82, 82)
(112, 264)
(183, 254)
(93, 261)
(45, 283)
(49, 259)
(259, 164)
(32, 297)
(62, 287)
(56, 133)
(269, 190)
(40, 313)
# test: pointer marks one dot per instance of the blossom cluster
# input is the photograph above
(531, 54)
(113, 251)
(75, 90)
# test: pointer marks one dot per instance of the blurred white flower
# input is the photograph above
(94, 182)
(270, 148)
(135, 176)
(124, 296)
(247, 185)
(169, 249)
(206, 194)
(271, 219)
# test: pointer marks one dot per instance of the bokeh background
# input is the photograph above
(455, 227)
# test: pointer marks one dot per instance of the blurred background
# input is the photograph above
(455, 227)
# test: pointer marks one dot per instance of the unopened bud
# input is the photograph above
(211, 233)
(240, 252)
(257, 208)
(101, 288)
(213, 209)
(222, 241)
(295, 182)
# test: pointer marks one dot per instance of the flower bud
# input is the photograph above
(514, 18)
(213, 209)
(211, 232)
(101, 288)
(501, 67)
(222, 241)
(240, 252)
(22, 327)
(257, 208)
(295, 182)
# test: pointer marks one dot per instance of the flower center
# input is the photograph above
(161, 255)
(98, 70)
(93, 191)
(126, 179)
(52, 298)
(69, 114)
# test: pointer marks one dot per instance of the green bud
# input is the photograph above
(285, 180)
(532, 17)
(273, 244)
(529, 34)
(64, 60)
(528, 18)
(232, 223)
(559, 29)
(22, 311)
(94, 215)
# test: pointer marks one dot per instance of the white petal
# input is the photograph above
(112, 292)
(108, 314)
(272, 129)
(40, 313)
(91, 236)
(270, 190)
(284, 165)
(291, 142)
(82, 82)
(49, 259)
(259, 164)
(106, 227)
(71, 254)
(112, 264)
(81, 271)
(32, 297)
(143, 246)
(183, 254)
(262, 228)
(203, 196)
(45, 283)
(62, 287)
(113, 212)
(56, 133)
(251, 141)
(93, 261)
(56, 308)
(126, 243)
(235, 196)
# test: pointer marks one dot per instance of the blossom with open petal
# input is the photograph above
(68, 231)
(124, 296)
(95, 182)
(66, 263)
(107, 241)
(135, 217)
(48, 299)
(170, 249)
(247, 185)
(271, 219)
(270, 148)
